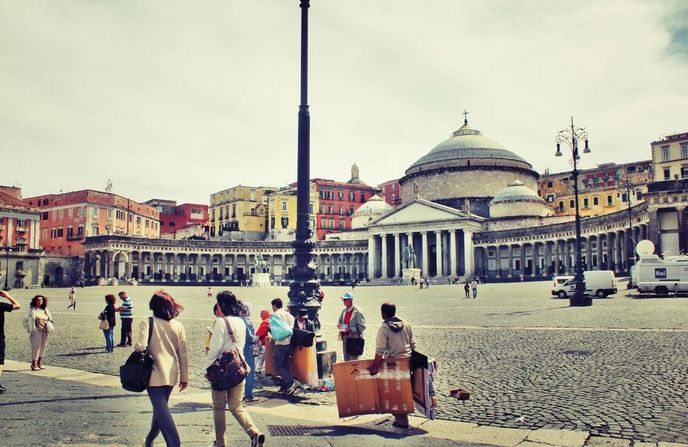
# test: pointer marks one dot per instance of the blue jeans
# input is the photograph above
(250, 361)
(162, 418)
(109, 339)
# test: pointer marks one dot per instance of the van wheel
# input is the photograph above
(661, 290)
(561, 294)
(601, 294)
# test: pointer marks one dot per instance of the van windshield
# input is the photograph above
(563, 280)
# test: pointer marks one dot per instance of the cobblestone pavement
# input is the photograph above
(616, 369)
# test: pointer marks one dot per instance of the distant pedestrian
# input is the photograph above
(39, 324)
(282, 350)
(467, 290)
(351, 324)
(126, 317)
(420, 283)
(171, 364)
(209, 294)
(474, 288)
(72, 298)
(427, 283)
(394, 339)
(5, 307)
(108, 314)
(221, 342)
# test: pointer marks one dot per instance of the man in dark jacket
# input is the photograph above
(394, 339)
(5, 307)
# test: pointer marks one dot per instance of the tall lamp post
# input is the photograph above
(304, 289)
(571, 137)
(7, 267)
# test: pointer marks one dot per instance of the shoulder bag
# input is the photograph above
(135, 373)
(230, 369)
(279, 329)
(354, 346)
(302, 337)
(104, 325)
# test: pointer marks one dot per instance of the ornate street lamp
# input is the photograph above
(571, 137)
(304, 289)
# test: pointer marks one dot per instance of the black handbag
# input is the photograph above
(229, 370)
(136, 371)
(302, 337)
(354, 346)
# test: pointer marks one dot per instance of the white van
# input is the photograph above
(600, 283)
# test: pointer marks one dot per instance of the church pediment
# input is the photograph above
(419, 211)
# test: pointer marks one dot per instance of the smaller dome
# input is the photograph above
(374, 205)
(372, 209)
(516, 191)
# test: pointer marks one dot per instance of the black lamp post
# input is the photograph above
(571, 137)
(7, 267)
(304, 289)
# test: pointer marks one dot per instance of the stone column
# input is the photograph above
(130, 265)
(453, 268)
(680, 213)
(468, 260)
(611, 261)
(397, 256)
(567, 256)
(424, 249)
(371, 257)
(511, 260)
(438, 254)
(617, 246)
(383, 255)
(599, 252)
(522, 258)
(547, 258)
(534, 260)
(588, 252)
(557, 261)
(110, 265)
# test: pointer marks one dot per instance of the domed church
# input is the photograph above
(466, 171)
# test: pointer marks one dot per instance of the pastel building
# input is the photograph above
(68, 218)
(240, 208)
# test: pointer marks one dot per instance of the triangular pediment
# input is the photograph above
(419, 211)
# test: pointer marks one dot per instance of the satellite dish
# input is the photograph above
(645, 248)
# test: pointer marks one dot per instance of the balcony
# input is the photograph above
(21, 229)
(75, 237)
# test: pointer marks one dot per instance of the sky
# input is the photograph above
(178, 99)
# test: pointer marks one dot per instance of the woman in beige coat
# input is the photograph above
(171, 365)
(39, 323)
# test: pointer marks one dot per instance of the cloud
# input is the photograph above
(677, 25)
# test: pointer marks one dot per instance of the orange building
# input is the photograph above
(68, 218)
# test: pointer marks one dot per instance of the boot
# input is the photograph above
(39, 363)
(34, 367)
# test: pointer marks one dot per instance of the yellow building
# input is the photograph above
(282, 212)
(670, 157)
(241, 208)
(601, 190)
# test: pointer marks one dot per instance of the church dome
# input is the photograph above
(516, 191)
(467, 144)
(372, 209)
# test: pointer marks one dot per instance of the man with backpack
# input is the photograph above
(281, 328)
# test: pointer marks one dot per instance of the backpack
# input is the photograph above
(279, 328)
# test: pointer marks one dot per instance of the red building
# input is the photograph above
(19, 223)
(180, 218)
(391, 192)
(338, 201)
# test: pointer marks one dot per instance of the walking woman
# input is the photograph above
(108, 314)
(251, 340)
(171, 364)
(39, 323)
(220, 342)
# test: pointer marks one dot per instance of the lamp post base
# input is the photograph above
(580, 301)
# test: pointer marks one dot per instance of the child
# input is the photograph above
(261, 333)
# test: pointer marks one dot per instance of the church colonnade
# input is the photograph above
(604, 250)
(151, 265)
(439, 253)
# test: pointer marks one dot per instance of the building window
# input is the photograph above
(44, 215)
(586, 203)
(549, 184)
(684, 171)
(284, 205)
(572, 203)
(341, 209)
(684, 151)
(561, 206)
(352, 196)
(329, 209)
(667, 174)
(342, 222)
(638, 195)
(665, 153)
(624, 197)
(351, 210)
(340, 195)
(595, 200)
(60, 232)
(363, 197)
(610, 200)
